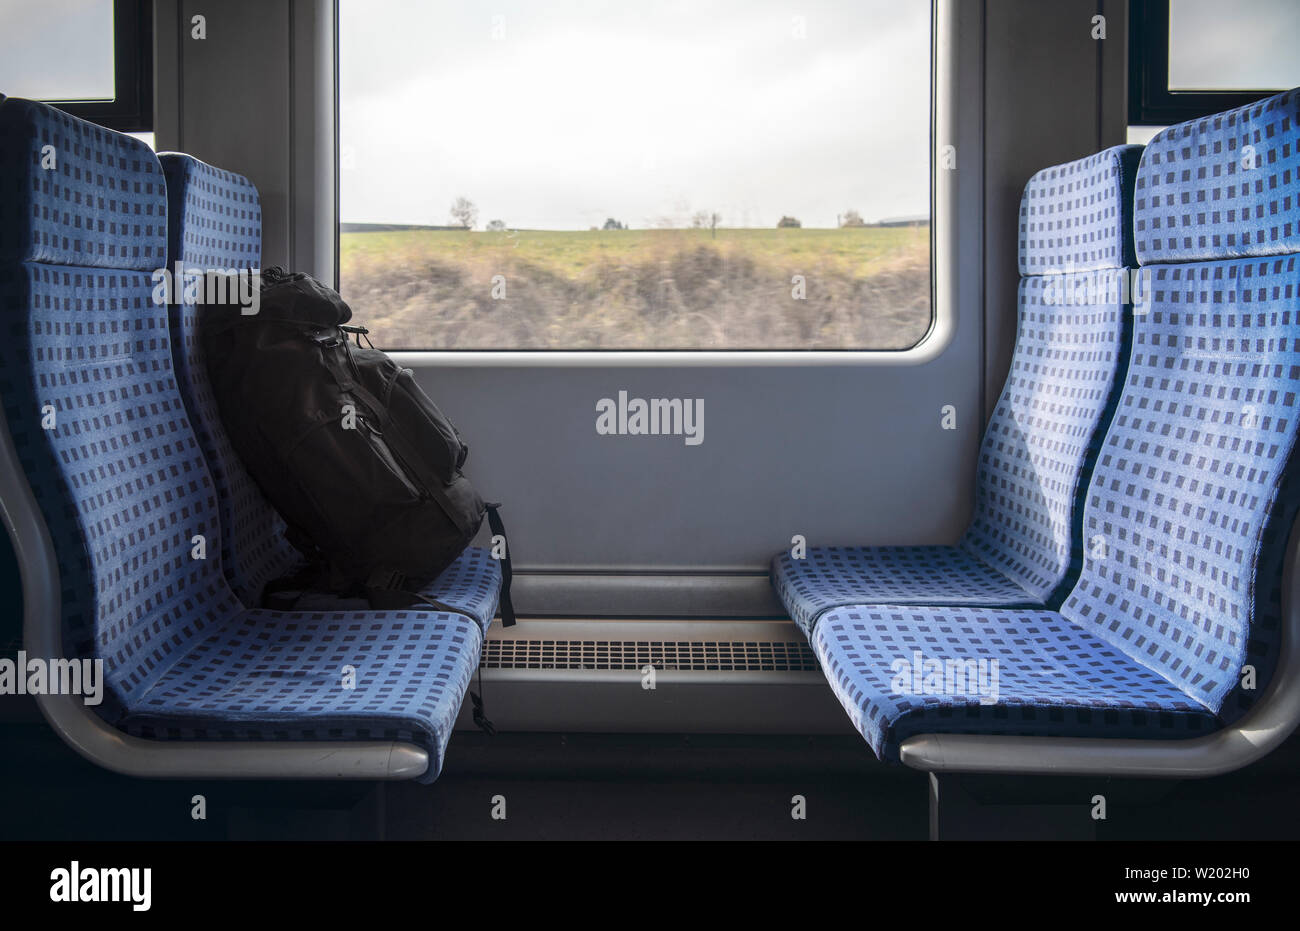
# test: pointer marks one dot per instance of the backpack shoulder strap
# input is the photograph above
(507, 573)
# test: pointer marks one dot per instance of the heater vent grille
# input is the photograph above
(663, 655)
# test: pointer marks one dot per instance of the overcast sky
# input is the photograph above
(637, 109)
(634, 109)
(56, 49)
(1234, 44)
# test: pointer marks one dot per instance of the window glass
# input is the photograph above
(646, 174)
(1141, 135)
(57, 50)
(1243, 45)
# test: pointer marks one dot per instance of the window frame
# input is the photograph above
(931, 344)
(131, 109)
(1150, 101)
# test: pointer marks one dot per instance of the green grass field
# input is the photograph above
(864, 288)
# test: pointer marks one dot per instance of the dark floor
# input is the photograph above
(627, 787)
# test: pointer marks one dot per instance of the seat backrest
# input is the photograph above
(89, 396)
(215, 223)
(1189, 476)
(1075, 243)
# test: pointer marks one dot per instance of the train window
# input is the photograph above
(105, 57)
(1190, 58)
(1142, 135)
(1252, 48)
(74, 32)
(637, 176)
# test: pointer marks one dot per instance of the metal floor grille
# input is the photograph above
(635, 655)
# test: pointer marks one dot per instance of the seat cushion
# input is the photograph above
(834, 576)
(215, 223)
(471, 584)
(1040, 443)
(1021, 548)
(268, 675)
(73, 193)
(118, 477)
(1190, 471)
(1222, 186)
(123, 485)
(1078, 216)
(1016, 672)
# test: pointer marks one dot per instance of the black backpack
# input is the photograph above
(362, 465)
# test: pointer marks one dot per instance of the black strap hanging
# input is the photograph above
(499, 529)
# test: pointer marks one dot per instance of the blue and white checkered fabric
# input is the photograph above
(1022, 547)
(216, 224)
(901, 671)
(830, 576)
(104, 439)
(1188, 510)
(1210, 189)
(1190, 470)
(1264, 641)
(372, 675)
(1224, 186)
(1042, 437)
(1155, 631)
(1079, 216)
(73, 193)
(214, 216)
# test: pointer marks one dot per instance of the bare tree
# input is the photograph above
(706, 220)
(852, 218)
(464, 213)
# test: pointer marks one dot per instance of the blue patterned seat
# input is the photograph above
(832, 576)
(900, 671)
(276, 676)
(1197, 201)
(215, 222)
(97, 421)
(1189, 507)
(1021, 548)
